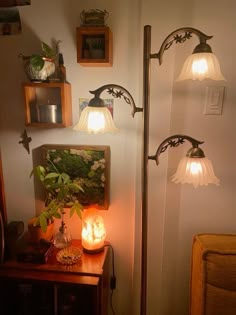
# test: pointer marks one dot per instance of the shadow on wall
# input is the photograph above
(12, 75)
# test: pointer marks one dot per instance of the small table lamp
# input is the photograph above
(93, 231)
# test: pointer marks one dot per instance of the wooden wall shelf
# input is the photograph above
(94, 46)
(37, 98)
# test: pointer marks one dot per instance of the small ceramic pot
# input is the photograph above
(40, 75)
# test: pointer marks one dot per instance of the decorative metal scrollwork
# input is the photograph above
(173, 142)
(118, 91)
(179, 36)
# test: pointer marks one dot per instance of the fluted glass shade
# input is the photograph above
(195, 171)
(95, 120)
(200, 66)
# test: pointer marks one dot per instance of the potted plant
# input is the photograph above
(60, 193)
(39, 67)
(97, 50)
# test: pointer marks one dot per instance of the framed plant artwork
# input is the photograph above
(88, 165)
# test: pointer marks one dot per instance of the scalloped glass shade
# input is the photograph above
(195, 171)
(95, 120)
(200, 66)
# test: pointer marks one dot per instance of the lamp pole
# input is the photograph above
(178, 36)
(146, 114)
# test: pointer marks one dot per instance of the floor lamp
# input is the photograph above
(195, 168)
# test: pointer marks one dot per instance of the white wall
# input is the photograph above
(210, 209)
(187, 210)
(176, 213)
(58, 19)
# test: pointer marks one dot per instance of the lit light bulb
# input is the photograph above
(200, 67)
(195, 168)
(96, 121)
(195, 171)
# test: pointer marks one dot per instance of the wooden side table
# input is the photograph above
(54, 288)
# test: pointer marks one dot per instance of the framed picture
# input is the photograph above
(13, 3)
(83, 102)
(10, 23)
(88, 165)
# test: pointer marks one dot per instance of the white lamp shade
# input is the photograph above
(95, 120)
(200, 66)
(195, 171)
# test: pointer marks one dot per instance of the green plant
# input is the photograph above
(97, 43)
(60, 192)
(48, 54)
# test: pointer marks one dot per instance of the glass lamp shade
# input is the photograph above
(200, 66)
(195, 171)
(93, 231)
(95, 120)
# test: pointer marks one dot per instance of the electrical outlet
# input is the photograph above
(214, 100)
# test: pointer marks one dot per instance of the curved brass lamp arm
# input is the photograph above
(173, 142)
(179, 36)
(118, 91)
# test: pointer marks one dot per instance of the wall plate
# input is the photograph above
(214, 100)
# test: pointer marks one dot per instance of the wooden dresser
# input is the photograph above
(56, 289)
(213, 276)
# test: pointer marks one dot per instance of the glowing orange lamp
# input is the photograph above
(93, 231)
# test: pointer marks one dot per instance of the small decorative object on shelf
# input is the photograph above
(94, 39)
(62, 68)
(35, 254)
(62, 238)
(40, 67)
(94, 46)
(69, 256)
(93, 231)
(47, 66)
(47, 104)
(93, 17)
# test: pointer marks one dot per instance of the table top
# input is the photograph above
(88, 269)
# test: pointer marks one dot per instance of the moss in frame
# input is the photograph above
(88, 164)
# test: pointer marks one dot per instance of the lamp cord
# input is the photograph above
(112, 279)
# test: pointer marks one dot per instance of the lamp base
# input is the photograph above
(93, 251)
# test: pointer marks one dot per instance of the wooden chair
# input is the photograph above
(213, 275)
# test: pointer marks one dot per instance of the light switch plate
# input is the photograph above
(214, 100)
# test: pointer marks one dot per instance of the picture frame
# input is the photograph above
(10, 23)
(14, 3)
(87, 164)
(83, 102)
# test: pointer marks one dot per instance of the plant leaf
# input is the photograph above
(37, 62)
(43, 223)
(52, 175)
(77, 207)
(47, 50)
